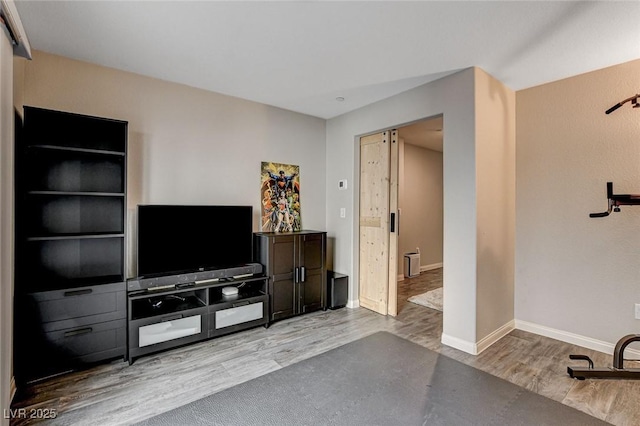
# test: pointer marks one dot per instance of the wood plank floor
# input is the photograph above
(116, 393)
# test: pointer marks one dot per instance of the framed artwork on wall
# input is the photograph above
(280, 191)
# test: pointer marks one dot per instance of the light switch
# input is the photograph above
(343, 212)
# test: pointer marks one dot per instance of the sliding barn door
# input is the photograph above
(375, 224)
(394, 222)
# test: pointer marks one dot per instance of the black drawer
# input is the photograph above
(90, 343)
(62, 309)
(43, 354)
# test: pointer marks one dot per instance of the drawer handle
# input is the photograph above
(171, 318)
(238, 304)
(78, 332)
(77, 292)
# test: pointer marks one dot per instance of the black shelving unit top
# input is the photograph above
(83, 236)
(80, 194)
(76, 149)
(44, 127)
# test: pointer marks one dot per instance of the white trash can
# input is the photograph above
(411, 265)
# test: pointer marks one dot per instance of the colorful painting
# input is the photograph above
(280, 191)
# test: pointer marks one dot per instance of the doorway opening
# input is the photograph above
(420, 210)
(401, 211)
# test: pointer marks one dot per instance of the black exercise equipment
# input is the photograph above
(616, 372)
(617, 200)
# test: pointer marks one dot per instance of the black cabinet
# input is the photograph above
(70, 240)
(295, 265)
(166, 318)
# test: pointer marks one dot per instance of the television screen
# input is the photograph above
(175, 239)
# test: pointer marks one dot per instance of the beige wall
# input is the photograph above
(576, 276)
(186, 146)
(421, 201)
(495, 179)
(6, 223)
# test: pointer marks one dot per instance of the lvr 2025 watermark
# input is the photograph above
(30, 413)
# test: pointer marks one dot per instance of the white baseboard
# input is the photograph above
(13, 389)
(423, 269)
(492, 338)
(459, 344)
(352, 304)
(572, 338)
(430, 267)
(484, 343)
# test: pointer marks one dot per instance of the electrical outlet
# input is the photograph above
(637, 310)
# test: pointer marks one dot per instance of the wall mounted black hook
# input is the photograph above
(633, 99)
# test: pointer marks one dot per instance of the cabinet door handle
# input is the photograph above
(297, 276)
(77, 292)
(303, 274)
(78, 332)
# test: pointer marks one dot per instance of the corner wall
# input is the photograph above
(186, 145)
(495, 175)
(577, 277)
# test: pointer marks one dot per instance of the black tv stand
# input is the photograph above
(166, 316)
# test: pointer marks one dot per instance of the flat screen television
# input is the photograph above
(179, 238)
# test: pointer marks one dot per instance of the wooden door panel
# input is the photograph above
(374, 222)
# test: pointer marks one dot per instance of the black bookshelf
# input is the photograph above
(70, 240)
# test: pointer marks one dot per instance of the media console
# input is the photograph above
(195, 307)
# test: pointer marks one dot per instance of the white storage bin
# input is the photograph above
(169, 330)
(233, 316)
(411, 265)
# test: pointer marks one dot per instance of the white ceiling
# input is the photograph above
(302, 55)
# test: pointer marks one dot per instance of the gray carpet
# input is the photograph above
(381, 379)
